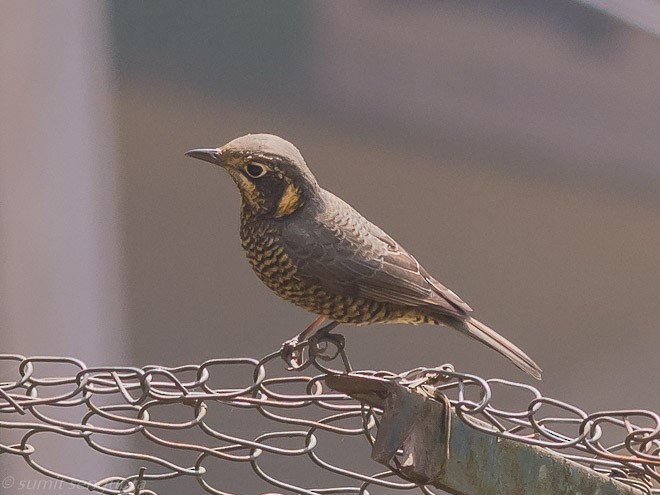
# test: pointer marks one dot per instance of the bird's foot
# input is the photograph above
(327, 346)
(293, 353)
(300, 354)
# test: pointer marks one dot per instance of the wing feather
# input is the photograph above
(353, 256)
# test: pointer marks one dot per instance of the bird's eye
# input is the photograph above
(255, 170)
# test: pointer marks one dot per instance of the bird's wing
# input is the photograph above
(398, 263)
(348, 254)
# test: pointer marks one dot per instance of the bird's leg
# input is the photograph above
(292, 349)
(323, 331)
(312, 329)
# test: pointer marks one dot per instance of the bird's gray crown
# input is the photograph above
(265, 143)
(269, 144)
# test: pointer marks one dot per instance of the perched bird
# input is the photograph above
(316, 251)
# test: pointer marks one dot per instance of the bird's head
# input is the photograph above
(270, 173)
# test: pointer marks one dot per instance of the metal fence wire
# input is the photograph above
(226, 412)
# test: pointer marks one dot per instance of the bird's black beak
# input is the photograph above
(211, 155)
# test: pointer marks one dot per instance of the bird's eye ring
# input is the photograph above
(255, 170)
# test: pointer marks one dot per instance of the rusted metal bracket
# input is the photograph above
(436, 448)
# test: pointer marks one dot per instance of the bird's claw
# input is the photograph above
(292, 353)
(318, 346)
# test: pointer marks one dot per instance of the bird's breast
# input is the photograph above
(268, 259)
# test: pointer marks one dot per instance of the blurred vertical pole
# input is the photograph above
(60, 249)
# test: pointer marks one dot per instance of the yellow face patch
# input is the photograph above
(246, 187)
(289, 202)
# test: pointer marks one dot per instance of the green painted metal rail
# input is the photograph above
(439, 449)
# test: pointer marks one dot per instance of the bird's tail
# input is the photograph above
(477, 330)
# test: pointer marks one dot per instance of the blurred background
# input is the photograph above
(512, 146)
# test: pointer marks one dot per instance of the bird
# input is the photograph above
(315, 250)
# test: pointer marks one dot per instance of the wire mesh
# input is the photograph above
(172, 408)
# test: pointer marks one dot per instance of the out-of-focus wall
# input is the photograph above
(561, 93)
(60, 236)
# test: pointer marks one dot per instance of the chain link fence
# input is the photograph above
(252, 412)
